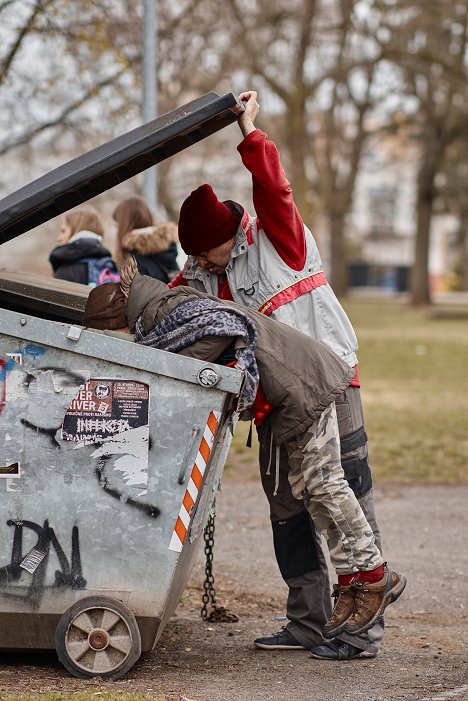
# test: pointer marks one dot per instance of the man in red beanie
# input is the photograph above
(270, 262)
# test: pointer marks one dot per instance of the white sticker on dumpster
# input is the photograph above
(130, 457)
(114, 414)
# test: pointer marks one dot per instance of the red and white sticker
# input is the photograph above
(194, 483)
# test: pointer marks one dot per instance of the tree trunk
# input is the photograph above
(339, 270)
(420, 282)
(297, 144)
(465, 263)
(420, 288)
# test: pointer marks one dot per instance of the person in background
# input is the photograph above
(80, 256)
(154, 246)
(270, 263)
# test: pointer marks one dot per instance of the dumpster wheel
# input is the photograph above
(98, 637)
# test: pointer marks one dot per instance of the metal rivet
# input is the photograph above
(23, 322)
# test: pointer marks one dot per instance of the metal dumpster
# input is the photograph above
(110, 452)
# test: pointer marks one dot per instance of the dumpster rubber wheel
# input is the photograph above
(98, 637)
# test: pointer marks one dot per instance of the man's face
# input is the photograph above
(216, 259)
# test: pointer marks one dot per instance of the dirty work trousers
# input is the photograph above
(298, 545)
(316, 476)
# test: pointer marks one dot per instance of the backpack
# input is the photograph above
(101, 270)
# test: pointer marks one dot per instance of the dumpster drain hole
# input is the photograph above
(98, 639)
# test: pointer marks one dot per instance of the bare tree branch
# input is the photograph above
(38, 7)
(61, 118)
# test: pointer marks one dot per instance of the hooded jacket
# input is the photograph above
(299, 376)
(66, 259)
(154, 249)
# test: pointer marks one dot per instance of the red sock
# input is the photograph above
(345, 579)
(371, 575)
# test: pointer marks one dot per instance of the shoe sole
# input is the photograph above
(363, 655)
(335, 659)
(389, 598)
(261, 646)
(330, 633)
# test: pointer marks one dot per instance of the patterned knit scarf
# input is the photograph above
(195, 319)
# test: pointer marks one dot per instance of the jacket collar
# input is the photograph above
(85, 234)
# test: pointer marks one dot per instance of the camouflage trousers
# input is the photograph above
(317, 478)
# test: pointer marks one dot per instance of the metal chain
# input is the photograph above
(218, 614)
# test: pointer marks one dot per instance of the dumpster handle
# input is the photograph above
(188, 454)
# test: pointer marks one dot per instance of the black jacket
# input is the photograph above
(162, 266)
(154, 249)
(66, 259)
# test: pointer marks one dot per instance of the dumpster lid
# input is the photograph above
(111, 163)
(42, 296)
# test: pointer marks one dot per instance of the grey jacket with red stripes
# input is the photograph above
(259, 279)
(275, 266)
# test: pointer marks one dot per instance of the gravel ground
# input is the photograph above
(424, 656)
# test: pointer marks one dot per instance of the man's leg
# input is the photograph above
(309, 599)
(316, 475)
(298, 547)
(355, 463)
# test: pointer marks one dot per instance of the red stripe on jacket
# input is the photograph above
(297, 289)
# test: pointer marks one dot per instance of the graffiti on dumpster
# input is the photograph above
(60, 405)
(33, 564)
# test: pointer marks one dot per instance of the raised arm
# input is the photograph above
(272, 194)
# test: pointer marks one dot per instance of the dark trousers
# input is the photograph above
(298, 546)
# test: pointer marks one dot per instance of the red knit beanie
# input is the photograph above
(205, 222)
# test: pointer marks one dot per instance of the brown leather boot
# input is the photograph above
(342, 610)
(371, 600)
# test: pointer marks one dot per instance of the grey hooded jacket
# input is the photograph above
(299, 376)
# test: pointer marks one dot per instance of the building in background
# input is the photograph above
(382, 224)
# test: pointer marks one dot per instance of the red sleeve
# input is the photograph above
(273, 199)
(178, 280)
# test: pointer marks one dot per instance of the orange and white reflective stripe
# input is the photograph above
(194, 483)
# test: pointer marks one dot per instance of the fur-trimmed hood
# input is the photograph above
(151, 239)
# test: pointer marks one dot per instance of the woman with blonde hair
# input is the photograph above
(154, 246)
(80, 256)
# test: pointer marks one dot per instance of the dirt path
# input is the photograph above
(424, 657)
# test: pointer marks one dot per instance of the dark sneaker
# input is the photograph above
(371, 600)
(342, 610)
(284, 640)
(336, 650)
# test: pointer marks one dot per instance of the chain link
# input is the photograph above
(218, 614)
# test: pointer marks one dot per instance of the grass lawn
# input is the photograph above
(414, 384)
